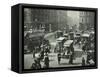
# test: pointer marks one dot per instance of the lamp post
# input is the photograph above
(50, 28)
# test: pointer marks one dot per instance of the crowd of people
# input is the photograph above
(43, 48)
(42, 57)
(70, 54)
(86, 44)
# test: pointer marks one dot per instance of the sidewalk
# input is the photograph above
(28, 60)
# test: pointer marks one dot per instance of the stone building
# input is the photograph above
(45, 19)
(86, 20)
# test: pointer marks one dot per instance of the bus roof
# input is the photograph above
(68, 43)
(60, 38)
(85, 35)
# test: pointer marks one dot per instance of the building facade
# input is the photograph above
(45, 19)
(86, 20)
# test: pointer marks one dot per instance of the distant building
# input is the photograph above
(45, 19)
(74, 28)
(62, 19)
(86, 20)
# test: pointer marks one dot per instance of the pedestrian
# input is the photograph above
(59, 57)
(46, 61)
(33, 66)
(47, 50)
(71, 58)
(68, 50)
(72, 50)
(36, 64)
(83, 61)
(84, 48)
(88, 58)
(34, 53)
(42, 54)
